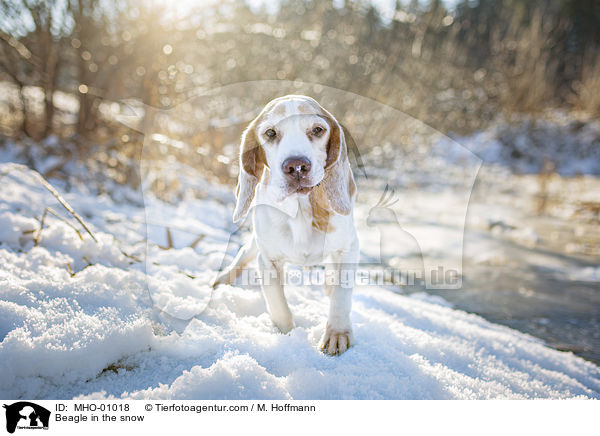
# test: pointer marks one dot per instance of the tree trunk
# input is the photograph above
(84, 104)
(48, 110)
(25, 121)
(25, 114)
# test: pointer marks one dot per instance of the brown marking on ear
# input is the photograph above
(261, 161)
(321, 210)
(334, 143)
(252, 165)
(337, 186)
(338, 182)
(351, 183)
(252, 155)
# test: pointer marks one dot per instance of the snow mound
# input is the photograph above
(77, 321)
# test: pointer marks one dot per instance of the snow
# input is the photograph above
(80, 319)
(526, 142)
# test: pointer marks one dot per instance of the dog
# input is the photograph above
(294, 168)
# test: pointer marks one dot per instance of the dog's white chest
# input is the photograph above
(307, 241)
(288, 233)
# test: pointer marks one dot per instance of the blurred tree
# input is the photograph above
(452, 68)
(32, 32)
(98, 44)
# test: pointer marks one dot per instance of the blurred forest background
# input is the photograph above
(516, 82)
(455, 66)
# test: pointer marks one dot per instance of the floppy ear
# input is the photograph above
(338, 182)
(252, 164)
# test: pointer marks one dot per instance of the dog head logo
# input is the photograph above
(26, 415)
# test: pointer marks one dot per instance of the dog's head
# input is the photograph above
(295, 146)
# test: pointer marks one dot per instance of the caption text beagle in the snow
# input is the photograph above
(294, 160)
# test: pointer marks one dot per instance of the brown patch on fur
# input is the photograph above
(252, 154)
(304, 109)
(321, 210)
(338, 184)
(334, 143)
(252, 165)
(279, 110)
(351, 184)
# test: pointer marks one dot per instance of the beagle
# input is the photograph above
(295, 179)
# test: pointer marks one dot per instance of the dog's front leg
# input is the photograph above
(338, 337)
(272, 288)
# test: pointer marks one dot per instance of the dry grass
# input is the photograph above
(455, 74)
(588, 89)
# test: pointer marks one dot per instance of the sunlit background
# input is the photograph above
(517, 82)
(454, 65)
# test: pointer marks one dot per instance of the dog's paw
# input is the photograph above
(335, 342)
(285, 325)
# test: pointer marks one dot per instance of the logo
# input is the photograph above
(26, 415)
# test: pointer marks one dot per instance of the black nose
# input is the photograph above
(296, 167)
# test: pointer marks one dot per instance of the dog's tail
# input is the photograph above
(241, 260)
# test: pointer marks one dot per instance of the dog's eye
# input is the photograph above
(318, 130)
(270, 133)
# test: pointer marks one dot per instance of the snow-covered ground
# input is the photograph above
(569, 144)
(86, 319)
